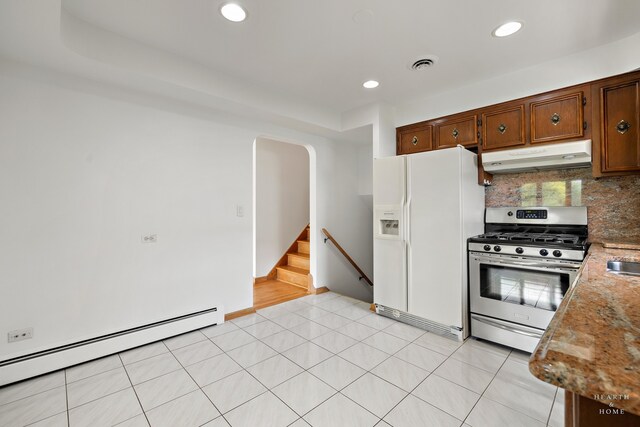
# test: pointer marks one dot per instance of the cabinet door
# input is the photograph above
(451, 132)
(619, 122)
(557, 118)
(503, 128)
(581, 411)
(415, 139)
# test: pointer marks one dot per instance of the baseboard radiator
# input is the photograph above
(41, 362)
(419, 322)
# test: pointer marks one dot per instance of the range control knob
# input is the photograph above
(487, 247)
(497, 248)
(519, 250)
(544, 252)
(557, 253)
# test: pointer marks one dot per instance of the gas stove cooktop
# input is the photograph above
(566, 240)
(553, 232)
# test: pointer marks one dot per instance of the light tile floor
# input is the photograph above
(321, 360)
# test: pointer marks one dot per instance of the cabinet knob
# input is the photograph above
(414, 141)
(555, 119)
(623, 126)
(455, 133)
(502, 128)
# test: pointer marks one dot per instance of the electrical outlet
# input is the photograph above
(150, 238)
(20, 335)
(239, 210)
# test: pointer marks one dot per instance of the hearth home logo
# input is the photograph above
(611, 410)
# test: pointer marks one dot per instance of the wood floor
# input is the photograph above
(273, 292)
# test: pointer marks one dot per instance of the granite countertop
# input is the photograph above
(592, 345)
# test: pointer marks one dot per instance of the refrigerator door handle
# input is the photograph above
(407, 220)
(407, 252)
(406, 271)
(407, 201)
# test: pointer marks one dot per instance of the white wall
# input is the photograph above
(82, 178)
(350, 222)
(365, 169)
(365, 190)
(86, 169)
(281, 200)
(381, 118)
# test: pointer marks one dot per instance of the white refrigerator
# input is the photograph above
(426, 206)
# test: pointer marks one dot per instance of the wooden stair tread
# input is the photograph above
(299, 254)
(273, 292)
(295, 270)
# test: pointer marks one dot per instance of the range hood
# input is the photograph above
(552, 156)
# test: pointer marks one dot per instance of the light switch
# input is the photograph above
(239, 210)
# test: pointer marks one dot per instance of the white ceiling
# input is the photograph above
(315, 52)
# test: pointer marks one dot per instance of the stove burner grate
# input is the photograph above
(568, 239)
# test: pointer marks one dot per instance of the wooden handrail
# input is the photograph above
(346, 255)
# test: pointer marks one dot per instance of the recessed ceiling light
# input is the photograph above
(370, 84)
(507, 29)
(233, 12)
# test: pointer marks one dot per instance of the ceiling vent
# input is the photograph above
(424, 63)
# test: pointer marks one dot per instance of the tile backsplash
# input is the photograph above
(613, 203)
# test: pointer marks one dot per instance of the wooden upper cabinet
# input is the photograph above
(557, 118)
(619, 126)
(610, 117)
(458, 130)
(414, 139)
(503, 128)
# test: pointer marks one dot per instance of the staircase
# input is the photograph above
(289, 279)
(296, 270)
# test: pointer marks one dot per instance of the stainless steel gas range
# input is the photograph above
(520, 270)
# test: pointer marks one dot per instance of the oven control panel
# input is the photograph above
(531, 214)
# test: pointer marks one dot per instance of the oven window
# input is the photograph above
(532, 288)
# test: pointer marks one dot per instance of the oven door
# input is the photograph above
(520, 290)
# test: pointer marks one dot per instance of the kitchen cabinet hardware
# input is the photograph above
(455, 133)
(623, 126)
(502, 128)
(414, 141)
(555, 119)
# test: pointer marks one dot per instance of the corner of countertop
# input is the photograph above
(556, 358)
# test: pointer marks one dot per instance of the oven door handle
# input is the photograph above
(505, 327)
(528, 264)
